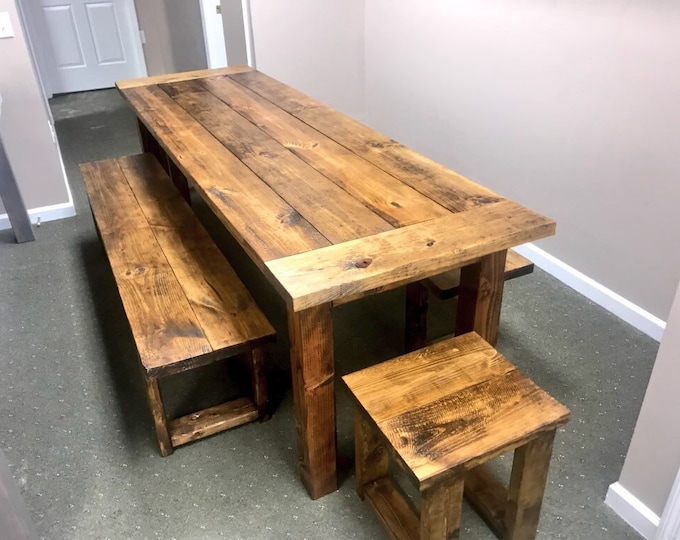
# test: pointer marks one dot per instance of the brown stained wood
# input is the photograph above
(440, 510)
(386, 195)
(404, 255)
(480, 297)
(441, 184)
(472, 426)
(447, 415)
(488, 496)
(455, 364)
(163, 324)
(371, 455)
(185, 76)
(258, 381)
(415, 331)
(393, 510)
(267, 230)
(153, 395)
(212, 420)
(289, 176)
(185, 305)
(312, 370)
(445, 286)
(113, 204)
(527, 484)
(228, 315)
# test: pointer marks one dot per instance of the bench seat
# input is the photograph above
(184, 302)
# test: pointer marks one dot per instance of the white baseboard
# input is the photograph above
(631, 509)
(608, 299)
(43, 213)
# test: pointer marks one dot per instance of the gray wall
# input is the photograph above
(24, 124)
(174, 35)
(314, 46)
(570, 107)
(653, 458)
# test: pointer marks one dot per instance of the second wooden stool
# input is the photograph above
(441, 412)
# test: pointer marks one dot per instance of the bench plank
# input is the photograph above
(163, 324)
(225, 309)
(185, 304)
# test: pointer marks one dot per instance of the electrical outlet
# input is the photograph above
(6, 30)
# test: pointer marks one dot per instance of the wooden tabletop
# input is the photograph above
(327, 207)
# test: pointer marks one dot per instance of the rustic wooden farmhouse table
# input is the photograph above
(330, 211)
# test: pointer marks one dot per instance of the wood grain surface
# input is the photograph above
(452, 406)
(183, 300)
(288, 176)
(404, 255)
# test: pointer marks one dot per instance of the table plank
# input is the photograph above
(393, 200)
(289, 176)
(449, 188)
(268, 229)
(184, 76)
(404, 255)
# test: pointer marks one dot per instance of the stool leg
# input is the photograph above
(372, 460)
(153, 394)
(415, 333)
(440, 510)
(527, 484)
(259, 382)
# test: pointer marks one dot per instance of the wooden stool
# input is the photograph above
(441, 412)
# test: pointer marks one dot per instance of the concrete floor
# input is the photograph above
(76, 430)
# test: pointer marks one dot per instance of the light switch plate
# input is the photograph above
(6, 30)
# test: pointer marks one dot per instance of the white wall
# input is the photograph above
(653, 458)
(314, 46)
(570, 107)
(32, 153)
(174, 35)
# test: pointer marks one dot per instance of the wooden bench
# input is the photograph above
(442, 412)
(185, 304)
(445, 286)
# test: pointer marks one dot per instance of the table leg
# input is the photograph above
(312, 367)
(480, 295)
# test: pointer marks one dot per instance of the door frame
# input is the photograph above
(34, 28)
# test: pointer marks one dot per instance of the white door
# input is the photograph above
(87, 44)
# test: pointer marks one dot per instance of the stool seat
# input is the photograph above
(444, 410)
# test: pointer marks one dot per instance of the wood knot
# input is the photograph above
(364, 262)
(430, 243)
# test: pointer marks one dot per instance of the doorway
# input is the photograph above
(84, 44)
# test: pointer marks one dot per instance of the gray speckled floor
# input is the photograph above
(76, 431)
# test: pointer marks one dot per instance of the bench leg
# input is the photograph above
(259, 383)
(440, 510)
(371, 457)
(480, 295)
(527, 484)
(415, 332)
(153, 394)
